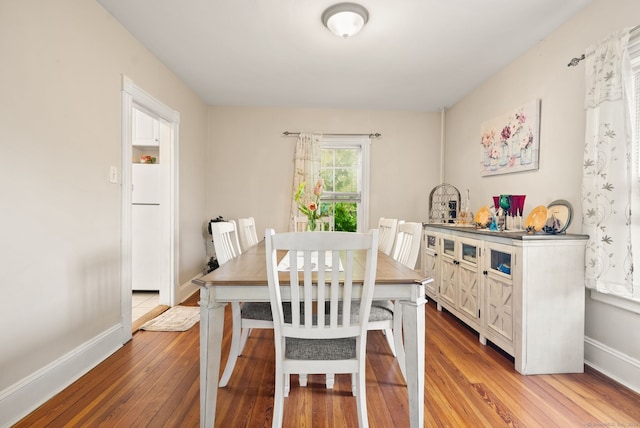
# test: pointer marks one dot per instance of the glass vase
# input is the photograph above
(515, 146)
(312, 225)
(486, 157)
(504, 155)
(525, 156)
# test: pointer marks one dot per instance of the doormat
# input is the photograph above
(178, 318)
(147, 317)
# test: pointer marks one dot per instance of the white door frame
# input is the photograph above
(133, 95)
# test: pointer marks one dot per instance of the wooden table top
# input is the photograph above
(250, 268)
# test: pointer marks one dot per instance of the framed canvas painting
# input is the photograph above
(511, 142)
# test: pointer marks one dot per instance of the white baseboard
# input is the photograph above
(612, 363)
(23, 397)
(187, 289)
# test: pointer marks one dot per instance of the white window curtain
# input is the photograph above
(307, 160)
(607, 177)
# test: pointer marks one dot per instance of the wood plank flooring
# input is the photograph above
(153, 381)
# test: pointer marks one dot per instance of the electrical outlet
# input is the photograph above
(113, 174)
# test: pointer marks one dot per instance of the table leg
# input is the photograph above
(414, 338)
(211, 327)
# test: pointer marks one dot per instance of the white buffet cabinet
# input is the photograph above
(524, 293)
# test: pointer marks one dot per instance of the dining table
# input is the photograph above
(244, 279)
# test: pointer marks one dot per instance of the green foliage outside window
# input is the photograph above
(345, 215)
(340, 174)
(346, 218)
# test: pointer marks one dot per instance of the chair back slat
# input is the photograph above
(407, 245)
(387, 228)
(247, 233)
(225, 240)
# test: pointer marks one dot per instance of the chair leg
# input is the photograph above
(302, 379)
(278, 398)
(243, 339)
(398, 339)
(389, 335)
(287, 384)
(330, 379)
(361, 398)
(236, 339)
(354, 384)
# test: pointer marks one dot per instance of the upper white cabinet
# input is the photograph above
(146, 129)
(524, 293)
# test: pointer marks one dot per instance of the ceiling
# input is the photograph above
(419, 55)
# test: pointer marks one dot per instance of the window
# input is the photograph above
(345, 171)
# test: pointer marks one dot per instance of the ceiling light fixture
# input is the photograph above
(345, 19)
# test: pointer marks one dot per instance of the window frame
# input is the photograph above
(363, 143)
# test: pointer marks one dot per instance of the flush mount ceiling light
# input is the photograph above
(345, 19)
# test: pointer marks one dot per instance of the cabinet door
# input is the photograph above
(146, 129)
(498, 308)
(448, 272)
(146, 257)
(429, 263)
(468, 278)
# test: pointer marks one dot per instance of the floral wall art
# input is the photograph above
(511, 142)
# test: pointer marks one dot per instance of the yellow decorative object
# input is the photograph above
(483, 217)
(537, 218)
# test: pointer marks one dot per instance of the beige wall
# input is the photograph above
(250, 163)
(543, 73)
(60, 113)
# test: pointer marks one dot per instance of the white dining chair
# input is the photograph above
(300, 223)
(247, 315)
(386, 314)
(382, 310)
(247, 233)
(387, 227)
(324, 223)
(322, 342)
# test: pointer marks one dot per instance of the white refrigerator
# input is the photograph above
(146, 242)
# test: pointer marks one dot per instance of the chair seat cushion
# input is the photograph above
(262, 311)
(381, 310)
(320, 349)
(257, 311)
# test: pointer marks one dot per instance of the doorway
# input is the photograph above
(149, 162)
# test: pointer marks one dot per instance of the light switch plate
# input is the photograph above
(113, 174)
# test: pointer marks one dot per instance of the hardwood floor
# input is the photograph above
(153, 381)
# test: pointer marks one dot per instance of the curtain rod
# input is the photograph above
(576, 61)
(376, 135)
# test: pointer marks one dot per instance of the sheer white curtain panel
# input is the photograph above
(607, 166)
(307, 160)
